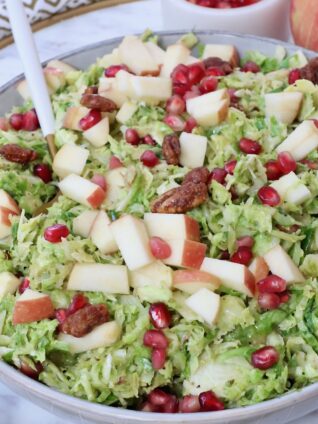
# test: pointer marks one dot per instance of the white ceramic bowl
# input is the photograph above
(280, 410)
(267, 18)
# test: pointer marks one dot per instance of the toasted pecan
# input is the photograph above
(197, 175)
(84, 320)
(17, 154)
(95, 101)
(171, 149)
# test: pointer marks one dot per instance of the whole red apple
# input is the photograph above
(304, 21)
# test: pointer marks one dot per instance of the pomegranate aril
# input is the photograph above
(159, 248)
(55, 233)
(114, 162)
(160, 315)
(242, 256)
(78, 302)
(208, 84)
(155, 339)
(268, 196)
(172, 406)
(158, 358)
(114, 69)
(16, 121)
(189, 404)
(149, 140)
(194, 92)
(148, 407)
(132, 136)
(180, 75)
(265, 358)
(99, 180)
(286, 163)
(311, 164)
(214, 72)
(93, 117)
(196, 73)
(225, 255)
(209, 402)
(175, 122)
(175, 105)
(180, 89)
(61, 315)
(190, 124)
(268, 301)
(43, 171)
(149, 159)
(25, 284)
(230, 166)
(30, 121)
(218, 174)
(249, 146)
(245, 241)
(293, 76)
(29, 371)
(251, 67)
(284, 297)
(158, 397)
(233, 98)
(273, 170)
(271, 284)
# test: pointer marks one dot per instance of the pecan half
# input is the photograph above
(93, 89)
(17, 154)
(197, 175)
(310, 71)
(84, 320)
(171, 149)
(216, 62)
(95, 101)
(181, 199)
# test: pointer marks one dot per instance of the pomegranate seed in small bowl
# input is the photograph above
(132, 137)
(43, 171)
(251, 67)
(273, 170)
(159, 248)
(113, 70)
(30, 121)
(99, 180)
(242, 256)
(16, 121)
(293, 76)
(149, 159)
(25, 284)
(208, 84)
(209, 402)
(78, 302)
(286, 163)
(218, 174)
(250, 147)
(175, 122)
(55, 233)
(268, 301)
(230, 166)
(158, 358)
(265, 358)
(269, 196)
(160, 315)
(272, 284)
(175, 105)
(114, 162)
(155, 339)
(93, 117)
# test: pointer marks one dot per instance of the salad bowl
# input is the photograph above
(281, 409)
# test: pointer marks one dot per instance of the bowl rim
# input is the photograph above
(68, 402)
(237, 11)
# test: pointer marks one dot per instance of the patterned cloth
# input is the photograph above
(38, 10)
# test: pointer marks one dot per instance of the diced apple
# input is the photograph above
(280, 263)
(186, 253)
(259, 268)
(83, 223)
(291, 189)
(109, 88)
(176, 54)
(134, 54)
(126, 112)
(9, 284)
(110, 59)
(234, 276)
(209, 109)
(70, 159)
(82, 191)
(284, 106)
(223, 51)
(62, 66)
(23, 90)
(102, 336)
(98, 134)
(191, 281)
(155, 274)
(193, 150)
(5, 223)
(102, 235)
(156, 52)
(117, 180)
(4, 124)
(132, 239)
(206, 304)
(55, 78)
(302, 141)
(8, 202)
(73, 116)
(32, 306)
(174, 226)
(123, 84)
(105, 278)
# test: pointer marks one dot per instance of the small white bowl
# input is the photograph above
(267, 18)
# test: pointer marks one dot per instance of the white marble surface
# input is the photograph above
(69, 35)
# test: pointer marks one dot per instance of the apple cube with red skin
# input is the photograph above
(223, 51)
(32, 306)
(8, 202)
(83, 223)
(132, 239)
(259, 268)
(191, 281)
(232, 275)
(9, 283)
(82, 191)
(70, 159)
(172, 226)
(186, 253)
(61, 66)
(4, 124)
(206, 304)
(5, 222)
(73, 116)
(102, 235)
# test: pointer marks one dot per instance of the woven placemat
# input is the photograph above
(67, 15)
